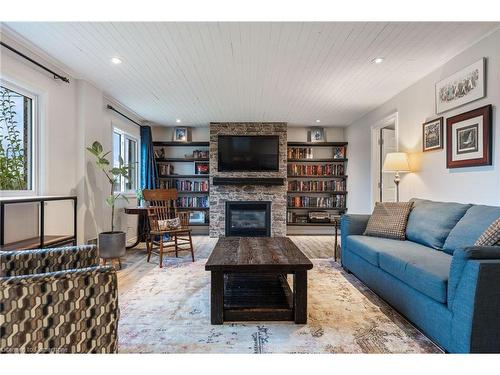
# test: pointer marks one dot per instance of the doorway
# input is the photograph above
(384, 140)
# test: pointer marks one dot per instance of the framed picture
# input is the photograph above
(432, 135)
(461, 88)
(317, 135)
(180, 134)
(468, 138)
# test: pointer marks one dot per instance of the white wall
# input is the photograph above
(415, 105)
(72, 116)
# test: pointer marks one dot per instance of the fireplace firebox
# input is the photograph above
(248, 219)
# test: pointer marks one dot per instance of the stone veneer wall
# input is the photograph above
(222, 193)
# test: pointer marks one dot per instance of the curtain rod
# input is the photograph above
(56, 76)
(128, 118)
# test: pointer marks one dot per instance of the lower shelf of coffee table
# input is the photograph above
(251, 296)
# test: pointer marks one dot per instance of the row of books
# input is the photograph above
(192, 202)
(326, 185)
(337, 201)
(330, 169)
(187, 185)
(299, 153)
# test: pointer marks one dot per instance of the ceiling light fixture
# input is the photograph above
(378, 60)
(178, 120)
(116, 60)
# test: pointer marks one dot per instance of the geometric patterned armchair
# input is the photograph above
(57, 301)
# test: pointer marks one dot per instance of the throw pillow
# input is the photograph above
(389, 220)
(169, 224)
(491, 236)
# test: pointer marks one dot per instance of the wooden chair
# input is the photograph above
(162, 206)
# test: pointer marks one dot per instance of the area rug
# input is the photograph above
(168, 311)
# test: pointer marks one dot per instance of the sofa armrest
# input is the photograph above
(73, 311)
(459, 261)
(353, 224)
(30, 262)
(474, 299)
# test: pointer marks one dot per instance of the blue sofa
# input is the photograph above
(436, 277)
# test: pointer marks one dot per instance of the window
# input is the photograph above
(16, 139)
(125, 147)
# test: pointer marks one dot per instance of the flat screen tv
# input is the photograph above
(248, 153)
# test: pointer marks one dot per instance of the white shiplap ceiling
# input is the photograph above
(293, 72)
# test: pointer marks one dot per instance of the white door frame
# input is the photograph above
(374, 173)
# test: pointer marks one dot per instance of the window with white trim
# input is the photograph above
(126, 147)
(17, 146)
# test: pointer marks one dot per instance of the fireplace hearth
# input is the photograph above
(248, 219)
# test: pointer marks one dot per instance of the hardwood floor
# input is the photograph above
(135, 266)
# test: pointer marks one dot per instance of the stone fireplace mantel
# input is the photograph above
(234, 187)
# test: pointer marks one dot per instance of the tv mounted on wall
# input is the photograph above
(248, 153)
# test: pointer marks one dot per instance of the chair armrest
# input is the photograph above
(73, 311)
(353, 224)
(30, 262)
(474, 299)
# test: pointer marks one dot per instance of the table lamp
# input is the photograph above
(396, 162)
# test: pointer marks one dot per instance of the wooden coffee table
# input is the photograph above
(249, 280)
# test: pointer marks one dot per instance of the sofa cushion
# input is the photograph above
(425, 271)
(430, 222)
(388, 220)
(467, 231)
(422, 268)
(369, 248)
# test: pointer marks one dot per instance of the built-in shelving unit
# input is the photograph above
(182, 172)
(316, 181)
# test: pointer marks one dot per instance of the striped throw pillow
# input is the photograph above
(491, 236)
(389, 220)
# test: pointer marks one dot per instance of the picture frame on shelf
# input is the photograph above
(468, 138)
(317, 135)
(201, 167)
(465, 86)
(432, 135)
(180, 134)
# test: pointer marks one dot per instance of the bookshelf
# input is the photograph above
(184, 166)
(317, 181)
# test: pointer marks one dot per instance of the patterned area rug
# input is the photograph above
(168, 311)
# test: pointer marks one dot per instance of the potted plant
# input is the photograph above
(111, 244)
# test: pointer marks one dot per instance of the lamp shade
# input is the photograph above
(396, 162)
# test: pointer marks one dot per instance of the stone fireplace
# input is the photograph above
(256, 193)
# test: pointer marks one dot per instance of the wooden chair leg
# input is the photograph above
(161, 251)
(120, 263)
(176, 246)
(149, 245)
(191, 246)
(105, 261)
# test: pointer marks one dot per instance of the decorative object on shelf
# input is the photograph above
(111, 244)
(197, 217)
(201, 168)
(432, 135)
(181, 134)
(468, 138)
(317, 135)
(200, 154)
(396, 162)
(318, 217)
(339, 152)
(463, 87)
